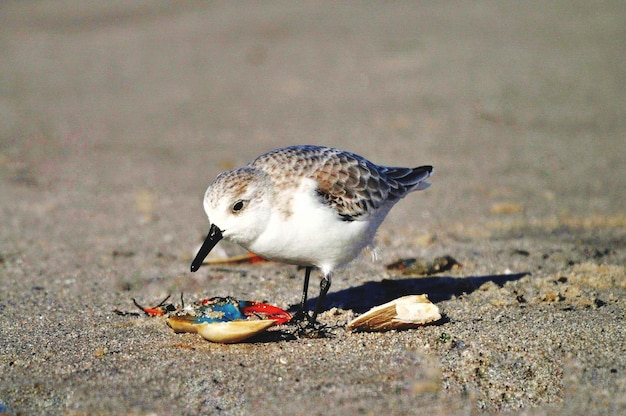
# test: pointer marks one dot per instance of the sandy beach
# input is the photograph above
(114, 118)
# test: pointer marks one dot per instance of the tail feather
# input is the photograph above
(411, 179)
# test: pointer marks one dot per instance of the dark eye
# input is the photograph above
(238, 206)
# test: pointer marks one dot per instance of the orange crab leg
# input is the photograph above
(245, 258)
(158, 310)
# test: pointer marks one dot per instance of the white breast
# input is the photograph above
(309, 233)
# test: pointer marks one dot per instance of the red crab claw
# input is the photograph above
(268, 311)
(254, 258)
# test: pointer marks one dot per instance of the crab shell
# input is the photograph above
(223, 332)
(403, 313)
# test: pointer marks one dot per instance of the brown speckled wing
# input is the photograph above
(350, 184)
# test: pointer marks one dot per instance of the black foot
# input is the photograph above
(300, 317)
(313, 330)
(306, 327)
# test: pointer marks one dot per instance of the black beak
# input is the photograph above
(215, 235)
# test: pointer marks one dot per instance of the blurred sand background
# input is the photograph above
(115, 116)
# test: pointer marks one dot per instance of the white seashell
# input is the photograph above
(223, 332)
(403, 313)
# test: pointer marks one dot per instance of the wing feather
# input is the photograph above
(353, 186)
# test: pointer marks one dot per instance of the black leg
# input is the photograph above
(324, 286)
(302, 312)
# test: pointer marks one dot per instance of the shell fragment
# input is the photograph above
(403, 313)
(224, 332)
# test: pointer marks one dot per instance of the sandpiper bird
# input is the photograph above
(311, 206)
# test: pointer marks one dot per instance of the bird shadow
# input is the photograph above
(439, 288)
